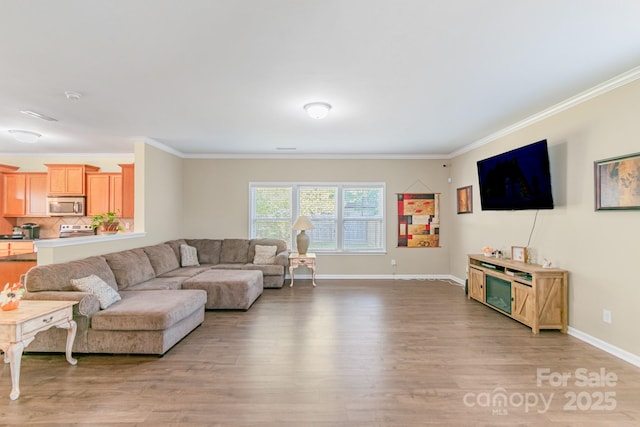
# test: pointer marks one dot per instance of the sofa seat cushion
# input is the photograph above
(267, 270)
(130, 267)
(57, 277)
(159, 283)
(187, 271)
(149, 310)
(162, 258)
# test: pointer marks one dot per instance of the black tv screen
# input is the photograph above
(515, 180)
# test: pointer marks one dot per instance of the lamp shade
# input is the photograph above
(303, 223)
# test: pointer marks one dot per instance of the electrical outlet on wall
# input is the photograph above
(393, 262)
(606, 316)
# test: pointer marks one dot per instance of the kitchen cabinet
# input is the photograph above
(25, 194)
(68, 180)
(104, 193)
(15, 248)
(10, 271)
(128, 190)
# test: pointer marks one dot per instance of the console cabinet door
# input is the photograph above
(522, 306)
(476, 284)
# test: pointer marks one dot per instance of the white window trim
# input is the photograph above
(340, 185)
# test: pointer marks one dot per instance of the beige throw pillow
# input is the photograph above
(189, 256)
(265, 255)
(94, 285)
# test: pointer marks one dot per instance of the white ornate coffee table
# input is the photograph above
(19, 327)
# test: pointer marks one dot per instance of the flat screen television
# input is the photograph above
(516, 180)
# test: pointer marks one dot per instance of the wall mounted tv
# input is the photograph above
(516, 180)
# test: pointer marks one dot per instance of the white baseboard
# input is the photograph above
(605, 346)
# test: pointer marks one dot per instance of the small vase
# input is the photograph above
(11, 305)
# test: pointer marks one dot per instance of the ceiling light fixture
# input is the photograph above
(317, 110)
(73, 96)
(25, 136)
(38, 115)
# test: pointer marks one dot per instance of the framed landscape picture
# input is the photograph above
(617, 183)
(465, 199)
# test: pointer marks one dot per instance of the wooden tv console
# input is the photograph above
(538, 295)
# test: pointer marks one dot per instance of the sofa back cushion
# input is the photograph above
(162, 258)
(208, 250)
(57, 277)
(130, 267)
(175, 246)
(234, 251)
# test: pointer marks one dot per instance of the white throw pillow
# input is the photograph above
(265, 255)
(94, 285)
(189, 256)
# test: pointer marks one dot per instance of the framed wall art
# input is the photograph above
(617, 183)
(465, 199)
(519, 253)
(419, 220)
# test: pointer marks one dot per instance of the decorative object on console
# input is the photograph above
(465, 199)
(302, 240)
(487, 251)
(107, 223)
(617, 182)
(10, 296)
(519, 253)
(547, 263)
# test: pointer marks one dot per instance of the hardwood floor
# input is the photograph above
(347, 353)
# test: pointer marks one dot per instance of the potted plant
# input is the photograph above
(106, 222)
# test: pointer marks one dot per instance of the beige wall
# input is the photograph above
(216, 198)
(599, 249)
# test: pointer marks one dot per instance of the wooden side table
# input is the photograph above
(296, 260)
(19, 327)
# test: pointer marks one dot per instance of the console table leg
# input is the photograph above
(14, 354)
(71, 328)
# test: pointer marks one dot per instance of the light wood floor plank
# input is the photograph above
(347, 353)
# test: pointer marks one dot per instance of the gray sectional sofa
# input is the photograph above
(158, 301)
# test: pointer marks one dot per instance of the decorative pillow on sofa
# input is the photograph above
(94, 285)
(189, 256)
(265, 255)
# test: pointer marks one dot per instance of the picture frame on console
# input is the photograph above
(519, 253)
(465, 199)
(617, 183)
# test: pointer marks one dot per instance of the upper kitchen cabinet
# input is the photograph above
(104, 193)
(128, 189)
(68, 180)
(24, 194)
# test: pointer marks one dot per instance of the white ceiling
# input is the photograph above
(214, 77)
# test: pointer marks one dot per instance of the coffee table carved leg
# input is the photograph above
(71, 328)
(14, 356)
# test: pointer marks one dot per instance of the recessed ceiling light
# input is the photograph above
(317, 110)
(25, 136)
(38, 115)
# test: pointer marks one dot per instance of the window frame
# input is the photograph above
(340, 218)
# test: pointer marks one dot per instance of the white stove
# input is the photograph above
(76, 230)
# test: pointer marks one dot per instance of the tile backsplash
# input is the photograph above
(50, 226)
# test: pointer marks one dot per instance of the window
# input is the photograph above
(347, 218)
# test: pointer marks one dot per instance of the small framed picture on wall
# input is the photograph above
(465, 200)
(519, 253)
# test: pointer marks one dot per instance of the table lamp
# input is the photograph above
(302, 240)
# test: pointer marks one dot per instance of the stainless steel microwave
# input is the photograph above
(65, 206)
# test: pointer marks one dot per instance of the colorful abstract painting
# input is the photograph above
(419, 220)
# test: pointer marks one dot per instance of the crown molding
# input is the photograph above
(602, 88)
